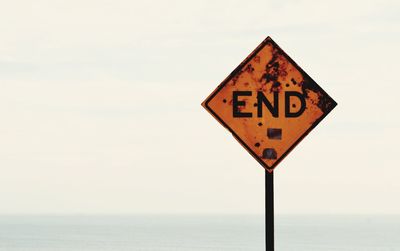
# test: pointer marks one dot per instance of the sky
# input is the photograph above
(100, 107)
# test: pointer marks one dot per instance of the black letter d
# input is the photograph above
(300, 96)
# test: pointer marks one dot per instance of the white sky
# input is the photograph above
(100, 106)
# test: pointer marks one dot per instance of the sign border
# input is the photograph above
(234, 72)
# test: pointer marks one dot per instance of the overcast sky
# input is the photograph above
(100, 106)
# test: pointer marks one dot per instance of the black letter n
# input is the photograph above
(272, 109)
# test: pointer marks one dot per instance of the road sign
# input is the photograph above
(269, 104)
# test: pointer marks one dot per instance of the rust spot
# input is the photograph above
(236, 77)
(325, 103)
(276, 87)
(274, 68)
(249, 68)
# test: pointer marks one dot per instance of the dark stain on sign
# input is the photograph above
(269, 153)
(274, 133)
(325, 103)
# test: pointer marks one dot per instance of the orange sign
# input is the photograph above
(269, 104)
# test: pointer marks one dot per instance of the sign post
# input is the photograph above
(269, 211)
(269, 104)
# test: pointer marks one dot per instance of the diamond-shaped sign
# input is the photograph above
(269, 104)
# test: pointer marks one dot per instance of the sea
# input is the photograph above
(198, 232)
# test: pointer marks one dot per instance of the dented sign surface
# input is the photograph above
(269, 104)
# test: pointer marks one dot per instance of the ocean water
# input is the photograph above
(197, 232)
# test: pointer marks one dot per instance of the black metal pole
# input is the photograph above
(269, 211)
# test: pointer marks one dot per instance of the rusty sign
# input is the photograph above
(269, 104)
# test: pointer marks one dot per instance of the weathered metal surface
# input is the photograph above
(269, 104)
